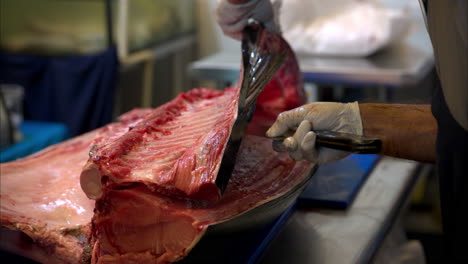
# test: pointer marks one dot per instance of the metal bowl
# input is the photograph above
(243, 238)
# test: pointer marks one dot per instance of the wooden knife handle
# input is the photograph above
(340, 141)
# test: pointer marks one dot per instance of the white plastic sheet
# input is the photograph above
(341, 27)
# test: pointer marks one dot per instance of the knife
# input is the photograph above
(261, 58)
(336, 140)
(263, 53)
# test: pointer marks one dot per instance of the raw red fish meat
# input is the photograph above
(175, 150)
(284, 92)
(40, 194)
(142, 179)
(136, 225)
(41, 197)
(144, 172)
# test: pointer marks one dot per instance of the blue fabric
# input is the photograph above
(36, 136)
(75, 90)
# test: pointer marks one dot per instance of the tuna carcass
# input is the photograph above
(144, 172)
(137, 225)
(135, 221)
(141, 179)
(177, 149)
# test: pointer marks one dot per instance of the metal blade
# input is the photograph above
(263, 53)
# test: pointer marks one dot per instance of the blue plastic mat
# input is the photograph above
(335, 185)
(36, 136)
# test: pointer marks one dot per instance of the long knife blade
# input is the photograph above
(262, 56)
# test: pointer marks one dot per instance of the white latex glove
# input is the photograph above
(232, 18)
(339, 117)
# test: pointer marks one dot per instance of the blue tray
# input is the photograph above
(36, 136)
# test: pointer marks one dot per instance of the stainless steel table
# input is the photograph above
(402, 64)
(353, 235)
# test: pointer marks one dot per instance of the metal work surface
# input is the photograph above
(404, 63)
(350, 236)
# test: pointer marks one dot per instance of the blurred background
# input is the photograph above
(70, 66)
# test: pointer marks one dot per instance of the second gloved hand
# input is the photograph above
(232, 15)
(318, 116)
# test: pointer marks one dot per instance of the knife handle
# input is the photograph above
(340, 141)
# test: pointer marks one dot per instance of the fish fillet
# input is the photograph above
(175, 150)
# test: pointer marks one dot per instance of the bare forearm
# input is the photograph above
(407, 131)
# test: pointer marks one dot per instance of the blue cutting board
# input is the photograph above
(335, 185)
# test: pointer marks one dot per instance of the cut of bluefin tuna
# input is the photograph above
(41, 197)
(175, 150)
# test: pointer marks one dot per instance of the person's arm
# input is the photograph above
(407, 131)
(232, 15)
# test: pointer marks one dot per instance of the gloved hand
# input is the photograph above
(340, 117)
(232, 15)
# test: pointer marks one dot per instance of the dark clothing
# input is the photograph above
(75, 90)
(448, 28)
(452, 168)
